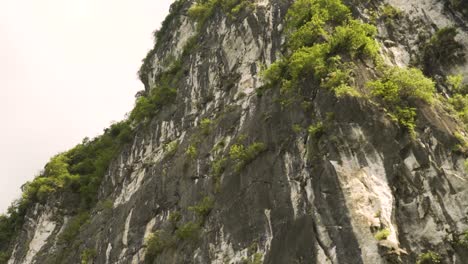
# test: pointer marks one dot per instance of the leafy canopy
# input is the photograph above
(320, 33)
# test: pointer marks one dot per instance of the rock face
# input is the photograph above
(294, 197)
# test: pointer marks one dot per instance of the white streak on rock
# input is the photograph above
(131, 187)
(44, 228)
(108, 252)
(127, 227)
(368, 196)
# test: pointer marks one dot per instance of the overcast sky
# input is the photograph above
(67, 69)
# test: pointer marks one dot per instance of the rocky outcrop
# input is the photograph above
(293, 196)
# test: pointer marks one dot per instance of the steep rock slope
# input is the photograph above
(229, 173)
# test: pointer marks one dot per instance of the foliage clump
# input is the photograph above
(191, 151)
(256, 258)
(159, 35)
(442, 49)
(218, 166)
(429, 257)
(4, 257)
(463, 239)
(163, 94)
(398, 90)
(156, 243)
(188, 231)
(203, 208)
(191, 230)
(73, 227)
(204, 9)
(390, 13)
(171, 148)
(316, 130)
(322, 37)
(459, 99)
(243, 155)
(163, 239)
(205, 126)
(382, 234)
(88, 255)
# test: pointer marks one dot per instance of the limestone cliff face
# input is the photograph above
(301, 198)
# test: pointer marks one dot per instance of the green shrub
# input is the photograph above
(429, 257)
(316, 130)
(146, 107)
(143, 108)
(463, 239)
(308, 34)
(188, 231)
(356, 39)
(6, 234)
(204, 207)
(242, 155)
(255, 259)
(326, 11)
(205, 126)
(400, 84)
(297, 128)
(308, 60)
(159, 35)
(10, 224)
(456, 84)
(4, 257)
(73, 227)
(88, 255)
(202, 10)
(460, 105)
(233, 7)
(390, 13)
(319, 34)
(156, 243)
(218, 166)
(382, 234)
(398, 89)
(462, 143)
(455, 81)
(406, 116)
(190, 45)
(171, 148)
(175, 217)
(191, 152)
(90, 160)
(339, 80)
(442, 49)
(346, 90)
(106, 205)
(274, 74)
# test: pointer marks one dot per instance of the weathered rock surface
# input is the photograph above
(304, 199)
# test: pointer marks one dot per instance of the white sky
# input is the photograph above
(67, 69)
